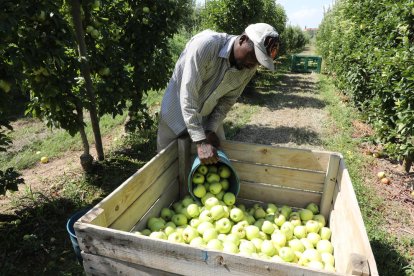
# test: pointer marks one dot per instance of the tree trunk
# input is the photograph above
(407, 162)
(85, 70)
(86, 158)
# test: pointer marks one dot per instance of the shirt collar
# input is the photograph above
(228, 47)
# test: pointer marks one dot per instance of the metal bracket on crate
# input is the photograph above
(358, 265)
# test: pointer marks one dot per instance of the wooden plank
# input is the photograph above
(180, 258)
(122, 197)
(347, 225)
(130, 217)
(169, 196)
(292, 178)
(95, 216)
(329, 185)
(278, 195)
(103, 266)
(184, 156)
(276, 155)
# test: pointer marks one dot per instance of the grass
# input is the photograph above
(390, 252)
(35, 137)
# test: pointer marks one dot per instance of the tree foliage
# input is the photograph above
(369, 47)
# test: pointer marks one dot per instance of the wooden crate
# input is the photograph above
(268, 174)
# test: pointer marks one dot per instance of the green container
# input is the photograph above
(306, 64)
(223, 159)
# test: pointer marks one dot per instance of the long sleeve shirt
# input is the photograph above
(204, 86)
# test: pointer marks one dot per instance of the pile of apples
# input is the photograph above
(266, 231)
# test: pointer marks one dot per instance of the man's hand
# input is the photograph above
(207, 153)
(212, 138)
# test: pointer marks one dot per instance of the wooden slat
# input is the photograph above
(329, 185)
(292, 178)
(103, 266)
(179, 258)
(122, 197)
(95, 216)
(169, 196)
(275, 155)
(130, 217)
(347, 225)
(184, 161)
(278, 195)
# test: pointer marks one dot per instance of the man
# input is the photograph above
(209, 76)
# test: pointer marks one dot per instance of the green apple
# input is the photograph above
(187, 200)
(189, 234)
(198, 178)
(203, 226)
(212, 169)
(145, 9)
(300, 231)
(295, 221)
(220, 195)
(179, 219)
(270, 217)
(311, 255)
(272, 208)
(205, 197)
(230, 247)
(212, 177)
(285, 211)
(152, 221)
(294, 214)
(233, 238)
(247, 247)
(224, 171)
(277, 258)
(217, 212)
(296, 245)
(158, 235)
(324, 246)
(193, 210)
(177, 206)
(199, 191)
(249, 219)
(225, 184)
(280, 219)
(312, 226)
(167, 213)
(287, 229)
(259, 213)
(210, 202)
(206, 215)
(307, 244)
(203, 169)
(325, 233)
(209, 234)
(95, 34)
(175, 237)
(313, 207)
(215, 188)
(222, 236)
(241, 207)
(229, 198)
(146, 232)
(89, 29)
(252, 232)
(195, 222)
(215, 244)
(327, 258)
(287, 254)
(314, 238)
(329, 267)
(305, 214)
(268, 248)
(257, 243)
(279, 239)
(198, 242)
(315, 265)
(320, 219)
(169, 230)
(268, 227)
(185, 213)
(239, 231)
(223, 225)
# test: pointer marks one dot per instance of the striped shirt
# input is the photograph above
(204, 86)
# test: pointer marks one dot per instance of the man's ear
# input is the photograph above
(243, 38)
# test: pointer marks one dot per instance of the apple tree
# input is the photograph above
(94, 55)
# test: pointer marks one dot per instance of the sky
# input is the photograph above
(305, 13)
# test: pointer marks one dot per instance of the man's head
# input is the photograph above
(266, 43)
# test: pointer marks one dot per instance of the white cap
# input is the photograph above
(258, 33)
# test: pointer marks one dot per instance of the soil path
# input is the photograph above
(292, 114)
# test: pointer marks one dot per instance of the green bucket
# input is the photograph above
(223, 159)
